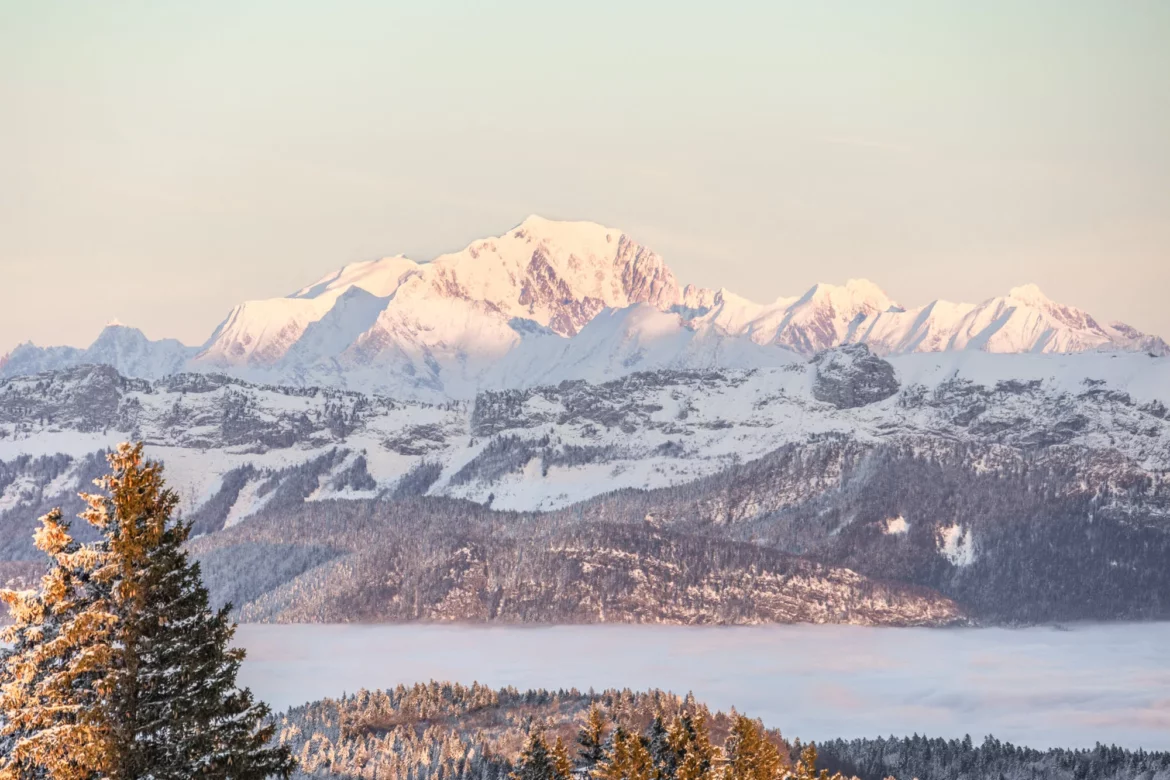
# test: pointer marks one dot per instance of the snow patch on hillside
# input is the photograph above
(956, 546)
(896, 526)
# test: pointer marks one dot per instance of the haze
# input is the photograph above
(162, 162)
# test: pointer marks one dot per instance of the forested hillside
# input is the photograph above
(442, 731)
(439, 559)
(942, 759)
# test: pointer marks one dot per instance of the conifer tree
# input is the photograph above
(180, 711)
(636, 762)
(562, 764)
(614, 762)
(591, 740)
(157, 675)
(806, 767)
(658, 743)
(54, 684)
(691, 742)
(749, 753)
(537, 761)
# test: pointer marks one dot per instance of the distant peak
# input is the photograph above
(533, 222)
(865, 287)
(117, 333)
(561, 228)
(1029, 293)
(118, 328)
(857, 291)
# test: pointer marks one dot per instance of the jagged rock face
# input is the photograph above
(645, 276)
(852, 376)
(543, 288)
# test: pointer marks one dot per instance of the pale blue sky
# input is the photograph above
(162, 161)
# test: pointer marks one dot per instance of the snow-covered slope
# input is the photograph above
(553, 445)
(261, 333)
(618, 342)
(549, 301)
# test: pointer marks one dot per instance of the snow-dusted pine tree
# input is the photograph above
(591, 741)
(658, 743)
(178, 711)
(806, 767)
(119, 668)
(749, 754)
(627, 759)
(55, 680)
(691, 740)
(562, 764)
(537, 761)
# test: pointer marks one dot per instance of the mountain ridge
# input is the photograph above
(969, 474)
(442, 328)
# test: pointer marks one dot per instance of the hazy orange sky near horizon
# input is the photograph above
(163, 162)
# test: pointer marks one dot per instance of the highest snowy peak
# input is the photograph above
(557, 274)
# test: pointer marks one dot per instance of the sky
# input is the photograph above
(161, 162)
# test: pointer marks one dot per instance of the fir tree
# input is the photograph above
(614, 763)
(691, 742)
(806, 767)
(749, 753)
(658, 743)
(561, 761)
(537, 761)
(149, 682)
(636, 762)
(591, 740)
(54, 685)
(180, 712)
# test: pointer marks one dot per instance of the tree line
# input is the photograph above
(447, 731)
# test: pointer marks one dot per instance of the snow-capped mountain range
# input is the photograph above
(549, 301)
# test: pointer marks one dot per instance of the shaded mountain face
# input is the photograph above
(551, 301)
